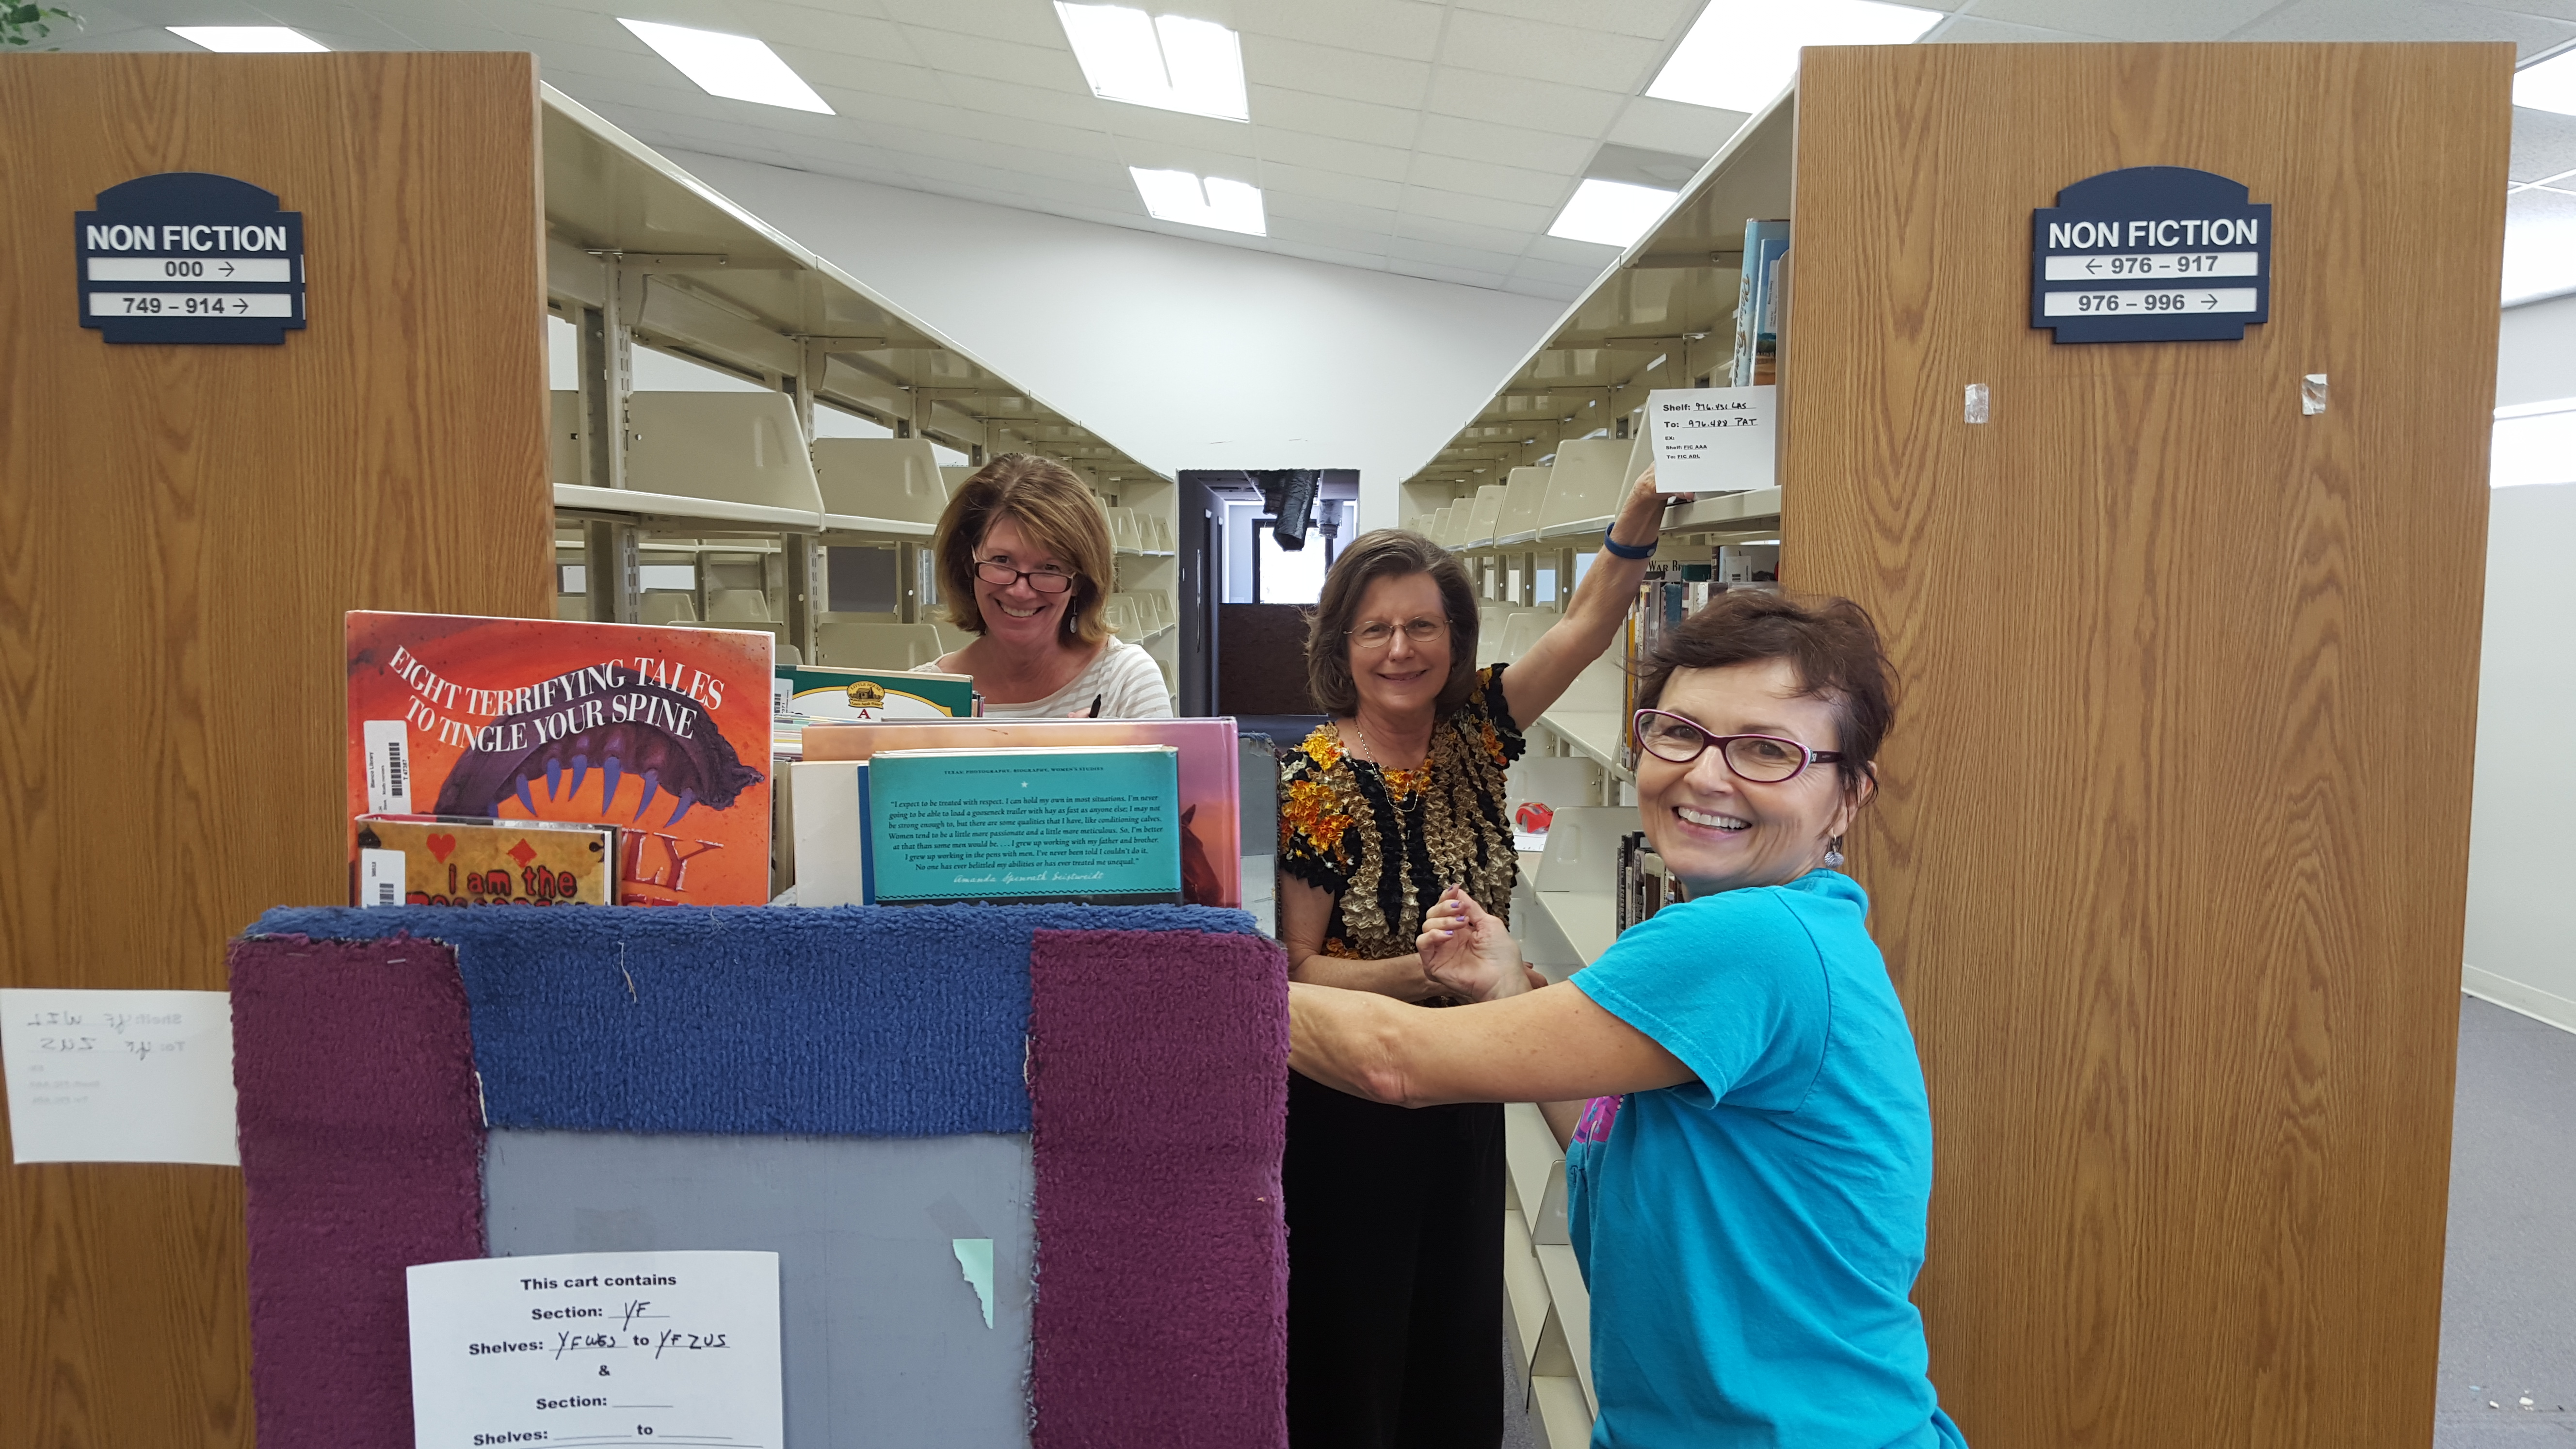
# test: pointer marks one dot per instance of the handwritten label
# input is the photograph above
(119, 1076)
(1712, 439)
(597, 1349)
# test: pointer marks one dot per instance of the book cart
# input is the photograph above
(2185, 1016)
(737, 485)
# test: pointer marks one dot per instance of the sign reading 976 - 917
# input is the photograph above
(2151, 254)
(189, 257)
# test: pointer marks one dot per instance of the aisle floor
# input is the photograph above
(2509, 1271)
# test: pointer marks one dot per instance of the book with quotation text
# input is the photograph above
(1100, 824)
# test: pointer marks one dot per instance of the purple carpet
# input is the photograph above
(361, 1147)
(1158, 1092)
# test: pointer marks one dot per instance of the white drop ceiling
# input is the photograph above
(1430, 139)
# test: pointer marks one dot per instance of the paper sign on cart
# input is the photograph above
(597, 1349)
(1712, 439)
(119, 1076)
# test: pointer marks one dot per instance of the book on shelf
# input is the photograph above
(1670, 593)
(1095, 824)
(1208, 763)
(814, 692)
(1757, 315)
(829, 803)
(1642, 886)
(663, 732)
(463, 860)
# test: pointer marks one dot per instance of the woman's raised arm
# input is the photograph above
(1592, 616)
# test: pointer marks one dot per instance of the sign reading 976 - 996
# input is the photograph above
(2151, 254)
(190, 257)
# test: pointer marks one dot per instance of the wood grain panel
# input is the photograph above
(180, 531)
(2171, 860)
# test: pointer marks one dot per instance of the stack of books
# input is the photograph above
(1643, 887)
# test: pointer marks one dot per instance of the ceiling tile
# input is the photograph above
(814, 29)
(1052, 67)
(1484, 178)
(1332, 71)
(1459, 275)
(1479, 210)
(885, 79)
(1978, 30)
(1025, 103)
(1325, 210)
(1685, 130)
(1513, 101)
(2406, 20)
(2544, 144)
(1338, 256)
(1028, 21)
(1652, 19)
(1395, 28)
(1327, 153)
(1563, 274)
(1333, 116)
(1503, 145)
(1567, 54)
(1325, 234)
(1173, 128)
(1569, 252)
(2128, 20)
(1196, 160)
(1424, 226)
(1405, 248)
(1331, 185)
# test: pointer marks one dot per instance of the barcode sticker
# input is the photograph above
(388, 767)
(782, 695)
(380, 878)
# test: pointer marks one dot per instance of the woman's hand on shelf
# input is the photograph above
(1467, 951)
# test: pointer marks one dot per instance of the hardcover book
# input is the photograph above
(870, 694)
(1209, 765)
(1098, 824)
(663, 732)
(435, 860)
(830, 833)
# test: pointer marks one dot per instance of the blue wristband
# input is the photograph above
(1625, 550)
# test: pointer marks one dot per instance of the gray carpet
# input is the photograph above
(2509, 1276)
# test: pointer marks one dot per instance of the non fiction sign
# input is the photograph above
(2151, 254)
(1712, 439)
(190, 257)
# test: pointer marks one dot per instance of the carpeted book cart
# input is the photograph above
(1098, 1091)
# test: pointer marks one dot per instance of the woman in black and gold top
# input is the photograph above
(1395, 1217)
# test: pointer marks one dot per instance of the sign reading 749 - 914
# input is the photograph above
(189, 257)
(2151, 254)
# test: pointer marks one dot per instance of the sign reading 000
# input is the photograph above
(189, 257)
(2151, 254)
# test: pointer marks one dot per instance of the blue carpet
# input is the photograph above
(862, 1021)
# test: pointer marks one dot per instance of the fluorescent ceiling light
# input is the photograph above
(1739, 53)
(247, 39)
(735, 67)
(2548, 86)
(1612, 213)
(1215, 202)
(1170, 62)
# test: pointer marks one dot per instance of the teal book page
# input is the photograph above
(1099, 824)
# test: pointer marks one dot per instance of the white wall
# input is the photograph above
(2521, 947)
(1185, 354)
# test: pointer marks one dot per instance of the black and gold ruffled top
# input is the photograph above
(1386, 843)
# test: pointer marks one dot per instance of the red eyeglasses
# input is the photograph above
(1761, 759)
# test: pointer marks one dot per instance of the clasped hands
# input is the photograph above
(1468, 952)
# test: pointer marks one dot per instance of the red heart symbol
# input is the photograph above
(441, 847)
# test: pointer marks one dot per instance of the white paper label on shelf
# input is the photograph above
(597, 1349)
(1712, 439)
(388, 747)
(2080, 268)
(193, 269)
(380, 878)
(119, 1076)
(209, 305)
(2155, 302)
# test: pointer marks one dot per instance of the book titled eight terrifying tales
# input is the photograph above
(662, 732)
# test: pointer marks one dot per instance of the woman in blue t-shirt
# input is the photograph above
(1749, 1180)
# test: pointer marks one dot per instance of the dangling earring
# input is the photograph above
(1833, 853)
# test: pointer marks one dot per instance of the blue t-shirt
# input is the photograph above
(1750, 1238)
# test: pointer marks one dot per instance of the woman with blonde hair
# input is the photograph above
(1025, 565)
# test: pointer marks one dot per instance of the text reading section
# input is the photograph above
(597, 1349)
(2134, 256)
(189, 257)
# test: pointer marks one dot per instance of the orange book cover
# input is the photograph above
(662, 732)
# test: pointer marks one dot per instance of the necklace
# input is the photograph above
(1409, 802)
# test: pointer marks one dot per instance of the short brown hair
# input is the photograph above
(1831, 643)
(1386, 553)
(1060, 514)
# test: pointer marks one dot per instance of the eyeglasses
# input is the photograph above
(1045, 581)
(1378, 633)
(1762, 759)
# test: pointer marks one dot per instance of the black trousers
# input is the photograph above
(1395, 1273)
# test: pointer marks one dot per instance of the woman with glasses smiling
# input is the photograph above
(1395, 1218)
(1747, 1185)
(1024, 561)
